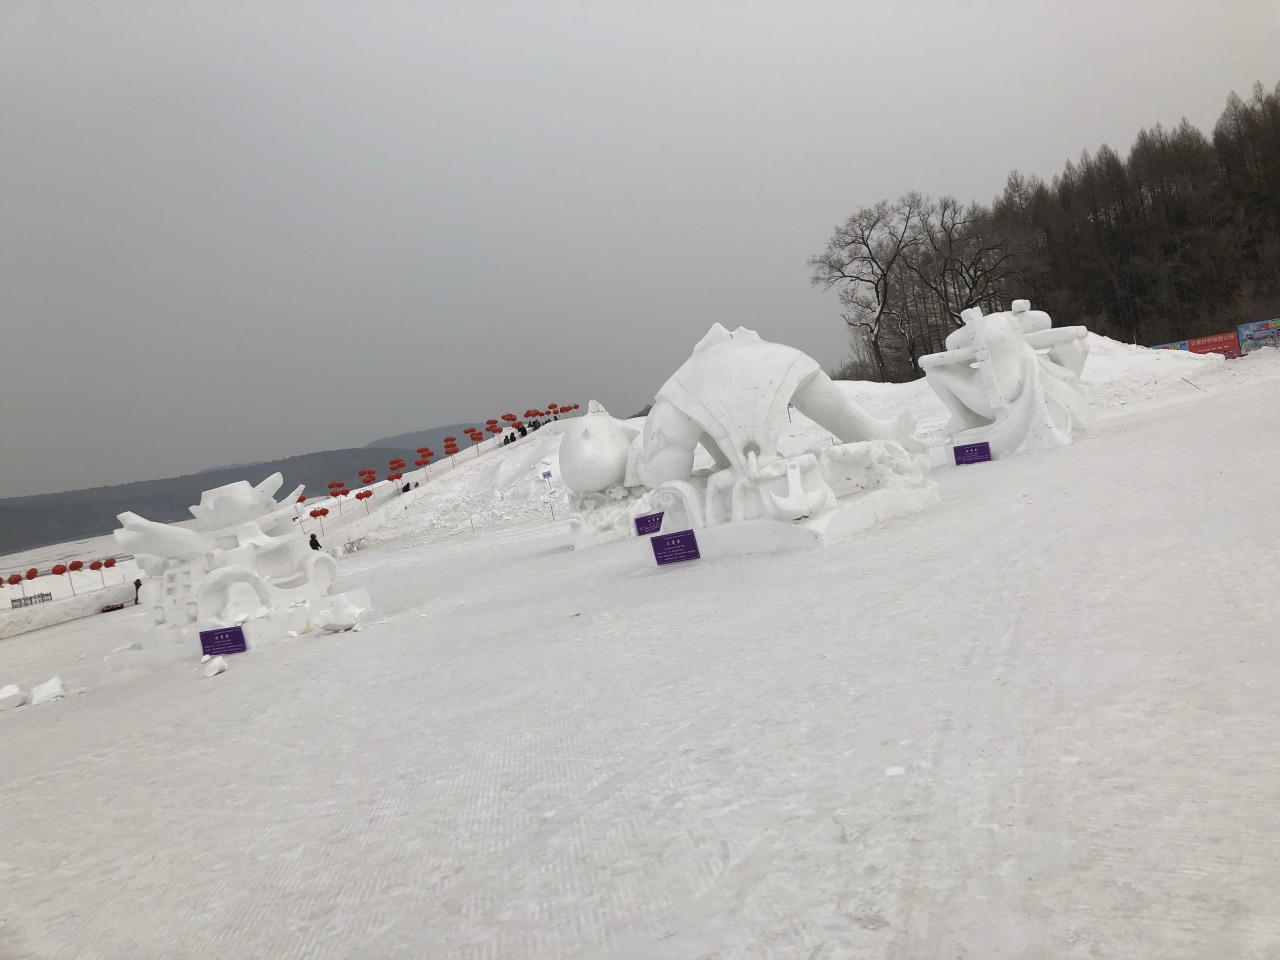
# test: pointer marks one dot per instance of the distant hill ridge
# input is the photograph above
(45, 518)
(433, 438)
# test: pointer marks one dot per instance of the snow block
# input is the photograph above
(11, 696)
(338, 615)
(215, 666)
(44, 692)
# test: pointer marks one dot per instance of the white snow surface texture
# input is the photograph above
(1037, 721)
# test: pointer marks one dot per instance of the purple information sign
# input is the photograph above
(226, 640)
(649, 523)
(675, 547)
(972, 453)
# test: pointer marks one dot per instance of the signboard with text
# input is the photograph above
(675, 547)
(649, 523)
(215, 643)
(1227, 344)
(972, 453)
(1176, 345)
(1258, 333)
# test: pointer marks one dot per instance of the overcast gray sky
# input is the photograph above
(237, 230)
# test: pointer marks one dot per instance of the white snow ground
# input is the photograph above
(1038, 721)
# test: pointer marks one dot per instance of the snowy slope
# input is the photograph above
(506, 488)
(1038, 721)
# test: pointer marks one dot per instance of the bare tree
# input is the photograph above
(863, 261)
(961, 260)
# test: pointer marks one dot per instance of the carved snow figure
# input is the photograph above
(730, 398)
(1012, 380)
(242, 561)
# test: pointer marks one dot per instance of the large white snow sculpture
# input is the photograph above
(242, 561)
(730, 398)
(1012, 380)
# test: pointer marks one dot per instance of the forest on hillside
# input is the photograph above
(1181, 238)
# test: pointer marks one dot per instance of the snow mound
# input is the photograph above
(11, 696)
(44, 692)
(1111, 361)
(504, 487)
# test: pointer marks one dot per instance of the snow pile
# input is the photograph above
(1123, 374)
(504, 487)
(11, 696)
(338, 615)
(45, 692)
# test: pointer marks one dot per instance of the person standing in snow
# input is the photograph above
(137, 589)
(315, 542)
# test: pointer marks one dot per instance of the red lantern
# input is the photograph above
(509, 417)
(14, 579)
(96, 565)
(32, 573)
(109, 562)
(75, 565)
(302, 498)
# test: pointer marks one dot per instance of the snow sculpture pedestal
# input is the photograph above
(730, 398)
(243, 562)
(1013, 381)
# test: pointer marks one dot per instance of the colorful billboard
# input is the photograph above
(1259, 333)
(1176, 345)
(1227, 344)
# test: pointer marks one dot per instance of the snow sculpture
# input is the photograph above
(730, 398)
(242, 561)
(1012, 380)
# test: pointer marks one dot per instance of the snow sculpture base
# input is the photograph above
(1013, 381)
(158, 647)
(832, 526)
